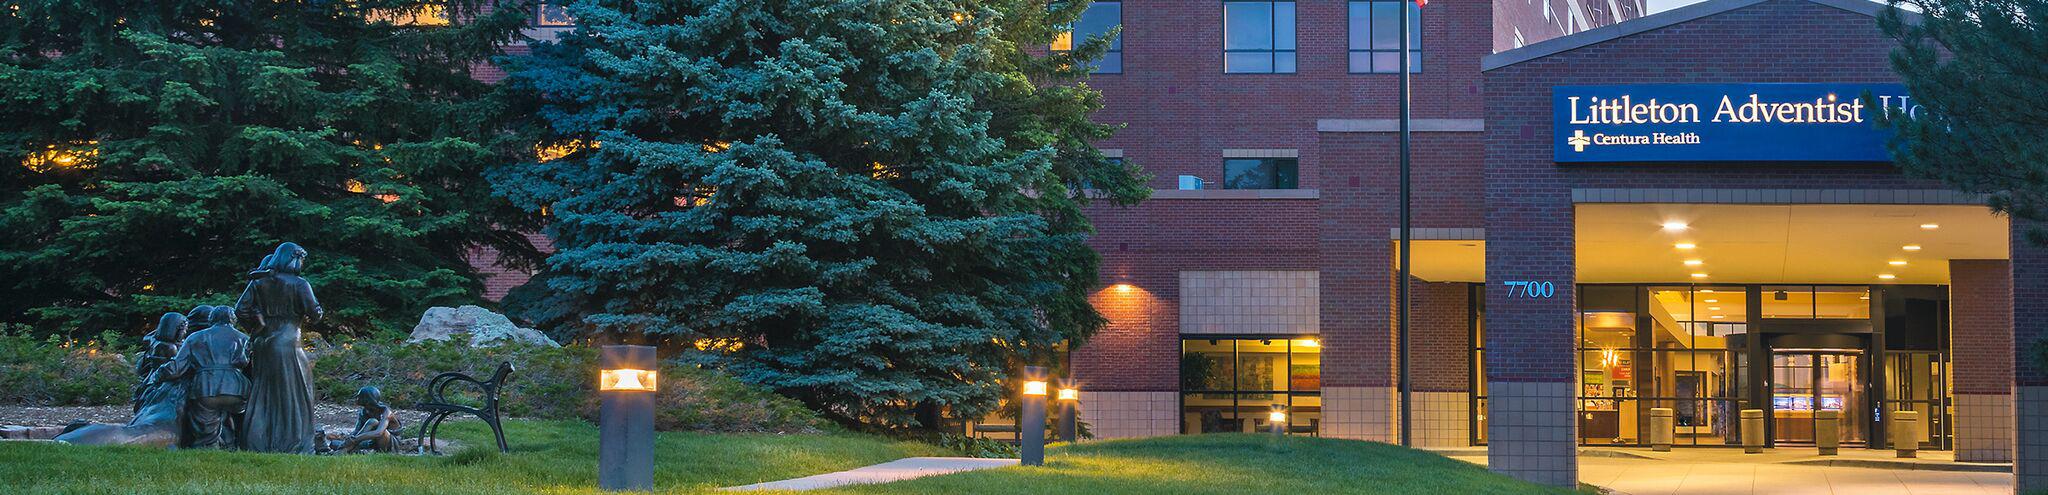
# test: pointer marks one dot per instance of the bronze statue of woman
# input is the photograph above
(280, 401)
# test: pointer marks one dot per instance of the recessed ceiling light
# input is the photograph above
(1713, 300)
(1929, 226)
(1674, 226)
(1911, 247)
(1886, 276)
(1713, 308)
(1717, 317)
(1706, 291)
(1685, 245)
(1866, 298)
(1693, 262)
(1898, 262)
(1699, 275)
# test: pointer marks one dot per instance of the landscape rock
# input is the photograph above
(481, 327)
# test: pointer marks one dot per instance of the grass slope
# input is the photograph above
(547, 457)
(1224, 464)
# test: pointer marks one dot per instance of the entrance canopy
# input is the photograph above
(1813, 244)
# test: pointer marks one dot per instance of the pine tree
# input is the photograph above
(1975, 68)
(867, 205)
(153, 152)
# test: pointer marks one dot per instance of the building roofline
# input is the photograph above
(1656, 21)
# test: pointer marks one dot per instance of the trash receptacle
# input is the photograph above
(1827, 431)
(1905, 431)
(1753, 431)
(1661, 429)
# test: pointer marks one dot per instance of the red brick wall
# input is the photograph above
(1529, 209)
(1980, 328)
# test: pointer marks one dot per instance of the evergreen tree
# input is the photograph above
(868, 205)
(153, 152)
(1976, 68)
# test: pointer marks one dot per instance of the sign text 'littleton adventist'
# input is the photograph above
(1764, 122)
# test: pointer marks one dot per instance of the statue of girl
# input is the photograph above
(274, 306)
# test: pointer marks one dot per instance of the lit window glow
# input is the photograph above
(626, 380)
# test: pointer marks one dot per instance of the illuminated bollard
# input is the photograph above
(625, 438)
(1827, 431)
(1278, 418)
(1031, 424)
(1906, 433)
(1753, 431)
(1662, 428)
(1070, 406)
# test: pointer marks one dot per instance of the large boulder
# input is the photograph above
(481, 327)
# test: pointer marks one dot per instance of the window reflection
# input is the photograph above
(1258, 37)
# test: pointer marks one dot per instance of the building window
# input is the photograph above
(1229, 385)
(1258, 37)
(1376, 36)
(424, 15)
(552, 14)
(1261, 173)
(1100, 18)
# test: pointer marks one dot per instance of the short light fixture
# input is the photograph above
(1674, 226)
(1070, 401)
(1910, 247)
(625, 442)
(1685, 245)
(1929, 226)
(1694, 262)
(1031, 424)
(1278, 418)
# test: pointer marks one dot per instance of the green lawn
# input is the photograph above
(547, 457)
(1225, 464)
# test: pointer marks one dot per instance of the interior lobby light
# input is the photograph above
(1911, 247)
(1717, 317)
(1713, 308)
(1713, 300)
(1706, 291)
(1308, 343)
(1929, 226)
(1886, 276)
(1685, 245)
(1898, 262)
(1699, 275)
(1674, 226)
(1694, 262)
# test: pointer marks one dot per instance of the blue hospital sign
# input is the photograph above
(1765, 122)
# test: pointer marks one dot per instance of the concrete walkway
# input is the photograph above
(896, 470)
(1778, 471)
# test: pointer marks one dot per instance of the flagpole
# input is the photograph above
(1401, 283)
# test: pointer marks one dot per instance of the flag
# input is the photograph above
(1421, 3)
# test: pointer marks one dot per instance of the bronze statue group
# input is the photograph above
(221, 388)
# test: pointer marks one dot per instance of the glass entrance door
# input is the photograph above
(1805, 382)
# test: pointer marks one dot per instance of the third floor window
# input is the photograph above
(1100, 18)
(1258, 37)
(1376, 36)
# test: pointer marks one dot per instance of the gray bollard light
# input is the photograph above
(625, 441)
(1070, 406)
(1278, 418)
(1031, 426)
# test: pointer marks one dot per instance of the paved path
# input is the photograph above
(896, 470)
(1779, 471)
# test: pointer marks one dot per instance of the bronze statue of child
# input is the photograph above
(375, 427)
(217, 393)
(161, 346)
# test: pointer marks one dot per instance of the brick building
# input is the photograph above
(1746, 272)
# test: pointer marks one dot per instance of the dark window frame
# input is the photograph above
(1273, 24)
(1116, 45)
(1352, 50)
(1279, 180)
(539, 17)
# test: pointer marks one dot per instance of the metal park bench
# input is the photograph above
(438, 406)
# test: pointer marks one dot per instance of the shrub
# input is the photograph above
(553, 383)
(58, 371)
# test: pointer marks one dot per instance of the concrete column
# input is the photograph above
(2030, 325)
(1532, 430)
(1980, 322)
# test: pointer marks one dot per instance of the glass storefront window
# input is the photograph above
(1808, 301)
(1231, 384)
